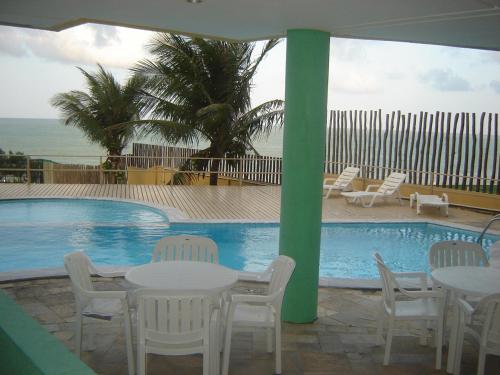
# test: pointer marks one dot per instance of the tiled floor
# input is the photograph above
(340, 341)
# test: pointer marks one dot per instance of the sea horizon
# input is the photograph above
(50, 137)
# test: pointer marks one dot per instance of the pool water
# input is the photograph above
(37, 233)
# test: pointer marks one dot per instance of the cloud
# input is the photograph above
(85, 44)
(105, 35)
(495, 85)
(445, 80)
(354, 82)
(348, 50)
(394, 75)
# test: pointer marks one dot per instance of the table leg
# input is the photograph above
(452, 346)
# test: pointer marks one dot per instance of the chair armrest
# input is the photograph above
(110, 274)
(254, 276)
(409, 275)
(369, 187)
(94, 271)
(465, 307)
(109, 294)
(423, 294)
(326, 180)
(254, 298)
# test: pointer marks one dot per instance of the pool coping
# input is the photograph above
(176, 216)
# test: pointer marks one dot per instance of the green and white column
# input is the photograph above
(306, 92)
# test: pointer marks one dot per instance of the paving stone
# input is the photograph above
(341, 341)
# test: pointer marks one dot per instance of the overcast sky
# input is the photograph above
(35, 65)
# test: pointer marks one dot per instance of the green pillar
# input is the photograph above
(306, 93)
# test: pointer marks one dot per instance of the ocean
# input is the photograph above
(66, 144)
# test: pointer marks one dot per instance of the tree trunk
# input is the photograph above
(214, 169)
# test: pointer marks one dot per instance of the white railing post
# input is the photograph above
(28, 169)
(100, 170)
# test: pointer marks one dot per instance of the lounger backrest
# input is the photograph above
(392, 183)
(346, 177)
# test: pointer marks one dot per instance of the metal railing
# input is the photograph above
(259, 170)
(493, 219)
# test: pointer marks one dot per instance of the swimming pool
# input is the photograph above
(37, 233)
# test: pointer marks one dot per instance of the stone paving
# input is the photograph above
(340, 341)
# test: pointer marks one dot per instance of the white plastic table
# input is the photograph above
(465, 281)
(183, 276)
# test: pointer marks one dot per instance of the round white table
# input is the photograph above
(465, 281)
(468, 281)
(183, 276)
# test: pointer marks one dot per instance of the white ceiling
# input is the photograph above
(465, 23)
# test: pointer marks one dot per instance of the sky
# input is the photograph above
(35, 65)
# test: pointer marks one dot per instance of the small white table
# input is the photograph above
(465, 281)
(183, 276)
(429, 200)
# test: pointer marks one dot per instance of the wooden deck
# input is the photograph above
(196, 202)
(239, 203)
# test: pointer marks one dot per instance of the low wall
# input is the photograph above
(27, 348)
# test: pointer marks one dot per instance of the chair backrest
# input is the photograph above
(389, 284)
(281, 270)
(488, 311)
(346, 177)
(77, 264)
(173, 324)
(456, 253)
(186, 247)
(392, 183)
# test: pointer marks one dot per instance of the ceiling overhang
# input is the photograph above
(461, 23)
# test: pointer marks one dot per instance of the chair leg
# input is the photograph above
(481, 361)
(458, 351)
(269, 334)
(141, 360)
(439, 342)
(206, 363)
(78, 334)
(128, 340)
(227, 341)
(380, 326)
(277, 347)
(423, 333)
(388, 342)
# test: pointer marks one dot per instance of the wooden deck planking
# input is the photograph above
(196, 202)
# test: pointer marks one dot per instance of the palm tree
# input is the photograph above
(101, 112)
(199, 90)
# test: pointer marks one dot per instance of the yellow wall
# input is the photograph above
(455, 196)
(160, 176)
(152, 176)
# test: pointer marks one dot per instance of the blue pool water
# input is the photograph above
(37, 233)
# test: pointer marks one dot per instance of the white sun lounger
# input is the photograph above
(433, 201)
(342, 183)
(389, 188)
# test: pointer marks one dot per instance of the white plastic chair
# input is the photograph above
(186, 247)
(342, 183)
(170, 323)
(456, 253)
(483, 324)
(96, 304)
(389, 188)
(260, 311)
(422, 305)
